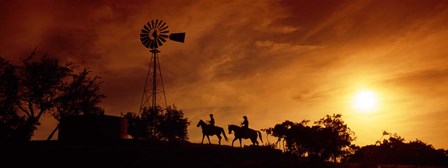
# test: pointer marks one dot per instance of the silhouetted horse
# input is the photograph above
(208, 130)
(245, 133)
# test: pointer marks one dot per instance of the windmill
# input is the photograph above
(152, 36)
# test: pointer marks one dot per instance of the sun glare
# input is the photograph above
(365, 101)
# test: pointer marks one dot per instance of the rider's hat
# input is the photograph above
(211, 115)
(245, 117)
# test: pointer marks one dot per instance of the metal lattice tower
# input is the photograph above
(154, 90)
(152, 36)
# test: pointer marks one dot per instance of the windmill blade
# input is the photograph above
(146, 43)
(156, 44)
(152, 45)
(143, 35)
(164, 32)
(160, 23)
(163, 25)
(157, 22)
(164, 28)
(163, 39)
(144, 31)
(145, 28)
(152, 23)
(144, 39)
(179, 37)
(163, 36)
(149, 25)
(159, 42)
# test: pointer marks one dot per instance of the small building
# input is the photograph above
(87, 128)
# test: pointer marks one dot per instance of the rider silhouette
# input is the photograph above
(245, 123)
(212, 120)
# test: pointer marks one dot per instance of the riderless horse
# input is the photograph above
(245, 133)
(208, 130)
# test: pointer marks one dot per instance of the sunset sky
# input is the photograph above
(271, 60)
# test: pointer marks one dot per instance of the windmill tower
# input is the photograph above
(152, 36)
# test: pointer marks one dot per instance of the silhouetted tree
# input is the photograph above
(337, 136)
(173, 125)
(394, 150)
(10, 121)
(143, 126)
(40, 85)
(80, 96)
(151, 118)
(39, 82)
(328, 138)
(166, 125)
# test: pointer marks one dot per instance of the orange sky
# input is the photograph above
(271, 60)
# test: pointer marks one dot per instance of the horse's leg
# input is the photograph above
(219, 139)
(254, 141)
(253, 138)
(240, 143)
(203, 136)
(208, 140)
(234, 141)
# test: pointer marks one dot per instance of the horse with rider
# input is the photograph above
(210, 129)
(244, 132)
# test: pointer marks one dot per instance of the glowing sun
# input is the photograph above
(365, 101)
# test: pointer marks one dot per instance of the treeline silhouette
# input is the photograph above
(327, 139)
(330, 139)
(42, 85)
(394, 150)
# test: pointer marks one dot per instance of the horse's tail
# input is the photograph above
(224, 133)
(259, 134)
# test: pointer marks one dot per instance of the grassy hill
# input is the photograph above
(142, 154)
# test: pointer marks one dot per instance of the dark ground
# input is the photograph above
(133, 153)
